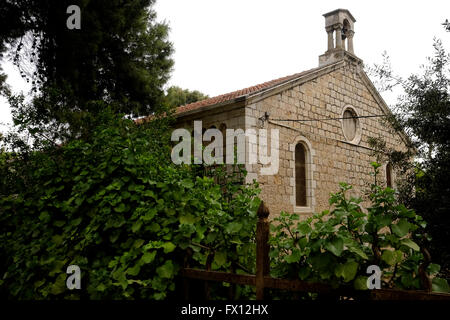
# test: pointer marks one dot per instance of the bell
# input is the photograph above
(344, 33)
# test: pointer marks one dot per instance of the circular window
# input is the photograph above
(350, 125)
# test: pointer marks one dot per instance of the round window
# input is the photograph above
(350, 125)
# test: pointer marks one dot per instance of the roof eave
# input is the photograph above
(236, 100)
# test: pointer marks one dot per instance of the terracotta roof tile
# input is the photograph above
(232, 95)
(238, 93)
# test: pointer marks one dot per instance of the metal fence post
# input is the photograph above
(262, 250)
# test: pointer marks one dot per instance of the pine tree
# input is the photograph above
(120, 56)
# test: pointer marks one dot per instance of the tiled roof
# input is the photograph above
(239, 93)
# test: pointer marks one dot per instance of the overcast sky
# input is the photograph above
(222, 46)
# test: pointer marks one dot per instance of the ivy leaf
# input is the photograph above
(335, 246)
(322, 261)
(187, 219)
(401, 229)
(39, 283)
(138, 243)
(188, 184)
(101, 287)
(360, 283)
(404, 212)
(59, 223)
(220, 257)
(347, 270)
(76, 222)
(407, 280)
(148, 256)
(59, 286)
(233, 227)
(120, 208)
(383, 220)
(303, 242)
(167, 270)
(114, 236)
(304, 229)
(134, 271)
(359, 252)
(411, 244)
(168, 247)
(57, 239)
(391, 257)
(154, 227)
(149, 215)
(433, 268)
(149, 193)
(304, 273)
(136, 226)
(44, 216)
(293, 257)
(440, 285)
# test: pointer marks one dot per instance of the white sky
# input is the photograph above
(222, 46)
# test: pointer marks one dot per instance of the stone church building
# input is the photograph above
(339, 109)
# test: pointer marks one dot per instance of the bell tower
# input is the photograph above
(339, 25)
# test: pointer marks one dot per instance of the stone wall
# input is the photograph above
(333, 158)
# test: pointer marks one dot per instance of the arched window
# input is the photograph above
(302, 182)
(300, 176)
(389, 175)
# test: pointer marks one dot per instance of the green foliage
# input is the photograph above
(423, 111)
(337, 246)
(177, 96)
(116, 206)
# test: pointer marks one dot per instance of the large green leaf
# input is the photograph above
(59, 286)
(382, 220)
(401, 229)
(411, 244)
(440, 285)
(304, 229)
(336, 246)
(293, 257)
(233, 227)
(433, 268)
(148, 256)
(358, 251)
(168, 247)
(360, 283)
(188, 184)
(187, 219)
(136, 226)
(167, 270)
(134, 271)
(347, 270)
(391, 257)
(220, 258)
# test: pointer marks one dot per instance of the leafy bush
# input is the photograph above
(337, 246)
(117, 207)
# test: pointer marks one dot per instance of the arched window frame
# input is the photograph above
(309, 171)
(388, 167)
